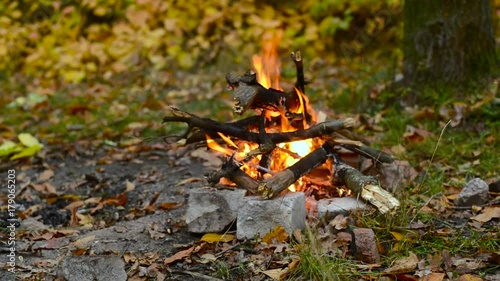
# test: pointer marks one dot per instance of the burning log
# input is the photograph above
(250, 94)
(273, 186)
(231, 170)
(367, 187)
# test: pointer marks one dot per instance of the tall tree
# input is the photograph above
(448, 42)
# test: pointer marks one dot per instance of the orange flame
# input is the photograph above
(268, 65)
(267, 68)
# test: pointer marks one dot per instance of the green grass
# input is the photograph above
(317, 265)
(449, 157)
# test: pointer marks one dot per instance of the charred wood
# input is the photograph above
(273, 186)
(231, 170)
(299, 66)
(321, 129)
(249, 94)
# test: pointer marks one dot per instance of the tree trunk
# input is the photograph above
(448, 42)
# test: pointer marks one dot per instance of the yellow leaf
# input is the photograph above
(8, 147)
(27, 152)
(100, 11)
(73, 76)
(279, 234)
(28, 140)
(214, 237)
(469, 277)
(398, 236)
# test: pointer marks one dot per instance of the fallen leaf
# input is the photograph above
(74, 205)
(179, 255)
(120, 229)
(210, 157)
(169, 205)
(444, 231)
(278, 235)
(276, 274)
(403, 265)
(434, 276)
(129, 186)
(92, 200)
(297, 234)
(189, 180)
(414, 134)
(215, 237)
(45, 175)
(28, 140)
(487, 214)
(79, 252)
(468, 265)
(38, 187)
(83, 242)
(398, 150)
(397, 235)
(151, 208)
(206, 258)
(469, 277)
(45, 236)
(339, 222)
(66, 232)
(54, 243)
(27, 152)
(156, 235)
(50, 188)
(119, 200)
(9, 147)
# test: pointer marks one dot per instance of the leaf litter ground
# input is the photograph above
(127, 198)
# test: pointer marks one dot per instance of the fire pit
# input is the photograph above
(272, 152)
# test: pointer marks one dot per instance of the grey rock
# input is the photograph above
(335, 206)
(211, 210)
(258, 216)
(101, 268)
(366, 245)
(475, 192)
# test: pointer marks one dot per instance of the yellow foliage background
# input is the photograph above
(72, 41)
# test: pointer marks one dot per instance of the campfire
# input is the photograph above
(282, 148)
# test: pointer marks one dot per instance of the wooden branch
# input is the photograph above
(250, 94)
(273, 186)
(321, 129)
(360, 146)
(367, 187)
(369, 152)
(297, 59)
(231, 170)
(193, 136)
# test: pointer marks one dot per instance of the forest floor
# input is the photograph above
(105, 184)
